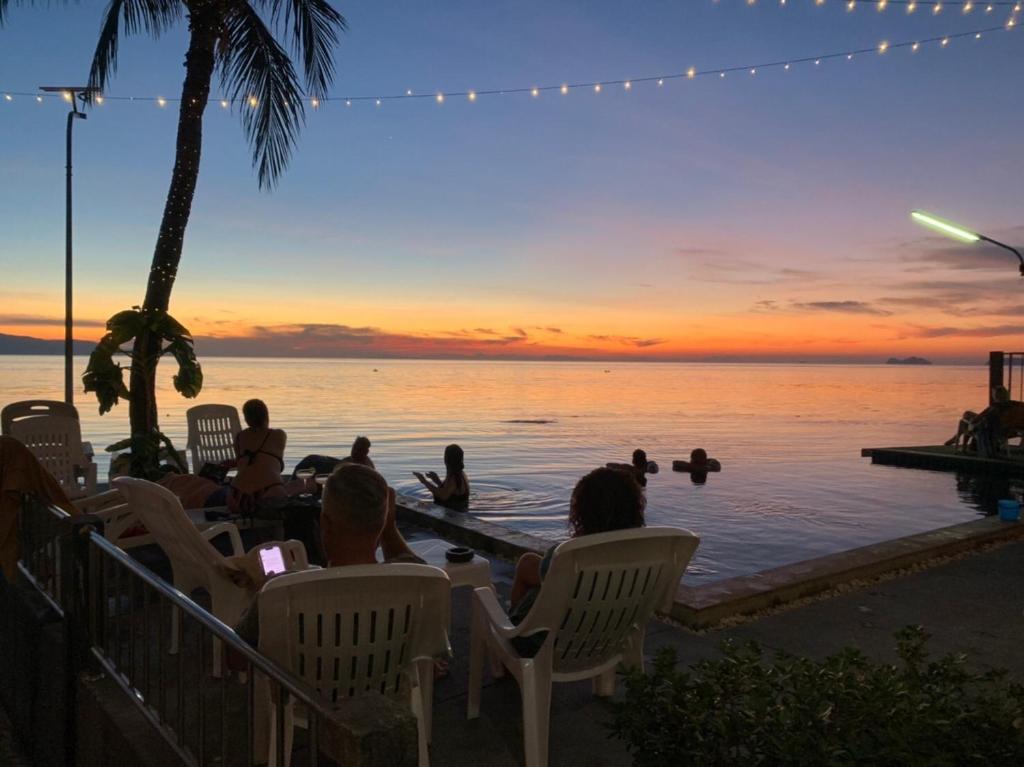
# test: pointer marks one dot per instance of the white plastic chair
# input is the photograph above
(350, 630)
(195, 563)
(596, 599)
(211, 434)
(56, 440)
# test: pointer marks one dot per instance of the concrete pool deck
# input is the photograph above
(707, 604)
(974, 604)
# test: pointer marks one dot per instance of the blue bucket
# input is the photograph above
(1009, 511)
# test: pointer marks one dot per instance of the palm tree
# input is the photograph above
(235, 38)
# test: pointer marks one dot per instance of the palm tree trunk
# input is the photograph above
(199, 64)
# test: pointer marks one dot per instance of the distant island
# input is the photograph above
(907, 361)
(27, 345)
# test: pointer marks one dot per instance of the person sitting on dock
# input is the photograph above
(987, 431)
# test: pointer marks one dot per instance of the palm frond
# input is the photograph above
(312, 28)
(151, 16)
(258, 75)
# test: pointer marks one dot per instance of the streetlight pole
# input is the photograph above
(71, 94)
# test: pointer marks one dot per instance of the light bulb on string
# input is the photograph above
(161, 102)
(471, 95)
(564, 89)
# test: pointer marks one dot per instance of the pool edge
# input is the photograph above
(702, 606)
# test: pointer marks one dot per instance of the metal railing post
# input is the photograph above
(995, 373)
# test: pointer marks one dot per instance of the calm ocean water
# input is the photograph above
(793, 484)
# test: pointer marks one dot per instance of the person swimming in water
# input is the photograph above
(698, 463)
(639, 468)
(453, 491)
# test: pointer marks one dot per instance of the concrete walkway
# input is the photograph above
(974, 604)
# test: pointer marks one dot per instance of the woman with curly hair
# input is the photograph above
(602, 501)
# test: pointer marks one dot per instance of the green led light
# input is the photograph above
(946, 227)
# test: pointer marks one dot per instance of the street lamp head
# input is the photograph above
(958, 232)
(74, 93)
(947, 228)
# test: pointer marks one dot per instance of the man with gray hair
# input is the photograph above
(357, 516)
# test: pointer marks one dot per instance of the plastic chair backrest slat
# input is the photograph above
(602, 588)
(33, 408)
(57, 442)
(350, 630)
(211, 434)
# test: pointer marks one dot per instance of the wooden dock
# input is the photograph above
(944, 458)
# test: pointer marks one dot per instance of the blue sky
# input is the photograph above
(701, 208)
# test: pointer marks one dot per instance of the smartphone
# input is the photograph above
(272, 560)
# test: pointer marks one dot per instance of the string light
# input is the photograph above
(628, 84)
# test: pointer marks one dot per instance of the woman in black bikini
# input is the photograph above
(453, 492)
(260, 461)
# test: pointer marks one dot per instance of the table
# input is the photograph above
(475, 573)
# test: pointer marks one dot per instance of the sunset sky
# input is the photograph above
(755, 216)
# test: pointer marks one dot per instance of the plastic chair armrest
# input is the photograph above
(233, 535)
(101, 501)
(495, 613)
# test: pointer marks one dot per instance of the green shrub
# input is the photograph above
(844, 710)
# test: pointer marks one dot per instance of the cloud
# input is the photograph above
(640, 343)
(980, 332)
(699, 252)
(556, 331)
(738, 271)
(842, 307)
(520, 331)
(39, 321)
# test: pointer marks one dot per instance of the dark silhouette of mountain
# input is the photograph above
(907, 361)
(28, 345)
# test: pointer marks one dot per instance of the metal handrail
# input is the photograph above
(295, 686)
